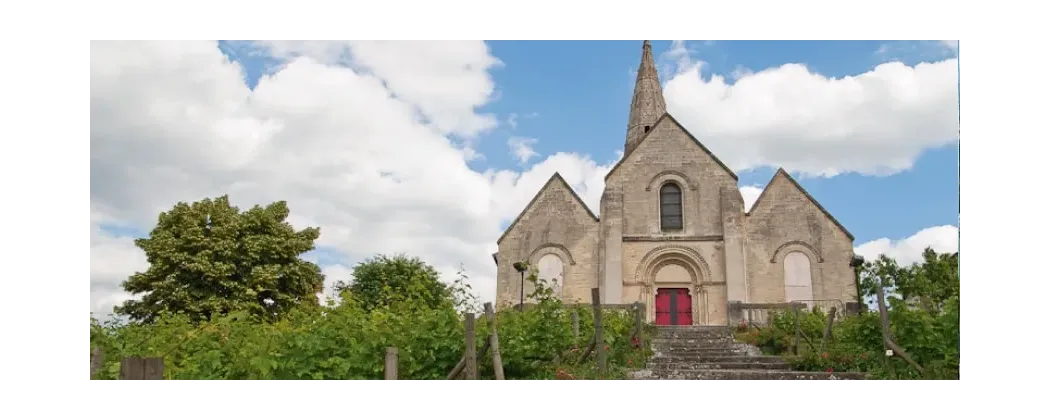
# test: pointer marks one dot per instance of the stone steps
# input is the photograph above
(697, 351)
(698, 335)
(744, 374)
(698, 342)
(667, 366)
(711, 353)
(715, 359)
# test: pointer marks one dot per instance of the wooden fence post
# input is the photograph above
(575, 324)
(827, 329)
(599, 341)
(638, 321)
(887, 339)
(391, 363)
(497, 361)
(150, 368)
(798, 328)
(470, 369)
(96, 361)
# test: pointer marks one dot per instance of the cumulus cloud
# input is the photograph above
(750, 194)
(943, 239)
(875, 123)
(521, 148)
(113, 259)
(370, 142)
(356, 145)
(917, 50)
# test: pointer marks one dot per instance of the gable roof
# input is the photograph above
(782, 173)
(668, 116)
(554, 178)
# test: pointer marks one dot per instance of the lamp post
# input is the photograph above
(857, 264)
(520, 266)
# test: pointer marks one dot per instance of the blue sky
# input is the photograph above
(575, 96)
(278, 105)
(581, 91)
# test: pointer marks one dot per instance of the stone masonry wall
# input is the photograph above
(556, 222)
(669, 154)
(785, 218)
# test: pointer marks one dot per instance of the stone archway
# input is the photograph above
(673, 266)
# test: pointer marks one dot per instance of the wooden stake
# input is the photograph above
(497, 361)
(827, 329)
(391, 363)
(599, 340)
(470, 370)
(887, 338)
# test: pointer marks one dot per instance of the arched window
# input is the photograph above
(670, 207)
(551, 271)
(798, 282)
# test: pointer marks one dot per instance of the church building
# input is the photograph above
(673, 233)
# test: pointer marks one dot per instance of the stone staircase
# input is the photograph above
(698, 352)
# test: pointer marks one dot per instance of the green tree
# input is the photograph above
(928, 285)
(383, 280)
(209, 258)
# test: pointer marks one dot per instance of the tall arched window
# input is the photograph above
(552, 271)
(670, 207)
(798, 281)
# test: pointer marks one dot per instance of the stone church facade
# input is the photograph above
(673, 232)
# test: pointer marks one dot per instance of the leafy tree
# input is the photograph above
(209, 258)
(383, 280)
(928, 285)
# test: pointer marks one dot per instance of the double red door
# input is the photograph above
(674, 307)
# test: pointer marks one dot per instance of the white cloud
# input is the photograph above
(364, 152)
(917, 50)
(113, 259)
(942, 239)
(750, 194)
(521, 148)
(876, 123)
(368, 141)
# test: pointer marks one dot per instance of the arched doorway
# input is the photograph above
(672, 278)
(673, 302)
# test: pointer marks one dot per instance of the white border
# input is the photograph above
(45, 166)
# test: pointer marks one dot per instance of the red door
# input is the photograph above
(674, 307)
(684, 308)
(663, 307)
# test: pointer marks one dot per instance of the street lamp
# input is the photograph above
(520, 266)
(857, 264)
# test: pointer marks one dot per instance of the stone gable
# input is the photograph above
(557, 222)
(669, 153)
(784, 219)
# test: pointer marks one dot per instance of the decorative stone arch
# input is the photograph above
(815, 259)
(687, 258)
(671, 175)
(552, 248)
(563, 254)
(809, 250)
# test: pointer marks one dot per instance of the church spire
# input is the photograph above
(647, 105)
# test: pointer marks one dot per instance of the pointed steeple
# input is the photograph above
(647, 105)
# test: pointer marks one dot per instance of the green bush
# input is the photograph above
(924, 322)
(348, 341)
